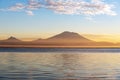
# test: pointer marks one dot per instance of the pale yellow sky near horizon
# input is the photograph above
(108, 38)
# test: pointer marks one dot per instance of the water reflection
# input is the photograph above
(59, 66)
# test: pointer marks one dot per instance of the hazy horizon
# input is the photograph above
(95, 37)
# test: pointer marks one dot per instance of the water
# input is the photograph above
(59, 64)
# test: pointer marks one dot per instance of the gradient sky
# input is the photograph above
(31, 19)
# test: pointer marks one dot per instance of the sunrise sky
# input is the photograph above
(32, 19)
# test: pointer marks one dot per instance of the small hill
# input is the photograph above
(12, 39)
(38, 40)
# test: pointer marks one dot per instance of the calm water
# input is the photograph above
(59, 64)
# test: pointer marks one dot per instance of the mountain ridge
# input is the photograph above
(65, 38)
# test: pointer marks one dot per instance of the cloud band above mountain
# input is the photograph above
(68, 7)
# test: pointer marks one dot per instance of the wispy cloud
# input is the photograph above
(89, 18)
(33, 5)
(29, 13)
(94, 7)
(16, 7)
(68, 7)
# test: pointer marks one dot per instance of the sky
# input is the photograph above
(32, 19)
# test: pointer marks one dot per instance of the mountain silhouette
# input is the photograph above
(39, 40)
(69, 36)
(12, 39)
(65, 38)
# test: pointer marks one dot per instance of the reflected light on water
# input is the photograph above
(59, 66)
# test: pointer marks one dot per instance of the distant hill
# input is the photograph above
(38, 40)
(69, 36)
(12, 39)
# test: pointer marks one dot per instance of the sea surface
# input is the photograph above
(59, 64)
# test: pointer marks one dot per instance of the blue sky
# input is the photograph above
(43, 18)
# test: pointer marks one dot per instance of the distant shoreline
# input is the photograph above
(69, 47)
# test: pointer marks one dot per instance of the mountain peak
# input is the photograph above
(69, 36)
(11, 38)
(68, 32)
